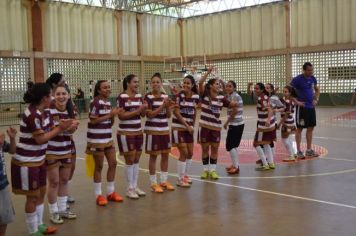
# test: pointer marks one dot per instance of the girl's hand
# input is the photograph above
(65, 124)
(190, 129)
(166, 103)
(268, 123)
(226, 124)
(11, 132)
(115, 111)
(301, 104)
(144, 106)
(210, 69)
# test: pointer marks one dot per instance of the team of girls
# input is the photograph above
(268, 104)
(28, 165)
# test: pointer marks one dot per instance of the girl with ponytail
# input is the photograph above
(209, 132)
(129, 132)
(100, 143)
(183, 121)
(235, 125)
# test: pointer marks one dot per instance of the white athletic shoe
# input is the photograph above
(56, 219)
(131, 193)
(68, 214)
(139, 192)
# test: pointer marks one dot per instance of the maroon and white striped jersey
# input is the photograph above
(211, 110)
(187, 108)
(263, 104)
(158, 124)
(99, 134)
(129, 104)
(28, 151)
(59, 146)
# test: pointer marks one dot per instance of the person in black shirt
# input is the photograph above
(79, 97)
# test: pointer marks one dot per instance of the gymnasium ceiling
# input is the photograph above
(173, 8)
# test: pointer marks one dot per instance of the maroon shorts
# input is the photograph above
(287, 130)
(262, 138)
(207, 136)
(28, 180)
(99, 150)
(180, 136)
(129, 144)
(158, 144)
(65, 162)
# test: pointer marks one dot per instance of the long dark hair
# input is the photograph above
(127, 80)
(157, 74)
(208, 85)
(262, 88)
(35, 94)
(233, 84)
(54, 79)
(69, 104)
(291, 90)
(273, 91)
(97, 87)
(194, 84)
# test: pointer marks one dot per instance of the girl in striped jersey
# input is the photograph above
(210, 123)
(266, 129)
(183, 128)
(129, 133)
(100, 142)
(157, 133)
(236, 127)
(28, 168)
(59, 159)
(59, 79)
(287, 121)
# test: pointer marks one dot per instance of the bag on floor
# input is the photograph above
(89, 165)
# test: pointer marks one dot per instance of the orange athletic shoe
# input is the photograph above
(229, 167)
(101, 200)
(234, 171)
(167, 185)
(156, 188)
(115, 197)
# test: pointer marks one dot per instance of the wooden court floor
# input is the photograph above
(315, 197)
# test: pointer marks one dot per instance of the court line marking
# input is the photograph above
(319, 137)
(338, 159)
(278, 194)
(258, 190)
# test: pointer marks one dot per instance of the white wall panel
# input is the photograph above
(250, 29)
(320, 22)
(160, 36)
(75, 28)
(13, 26)
(129, 33)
